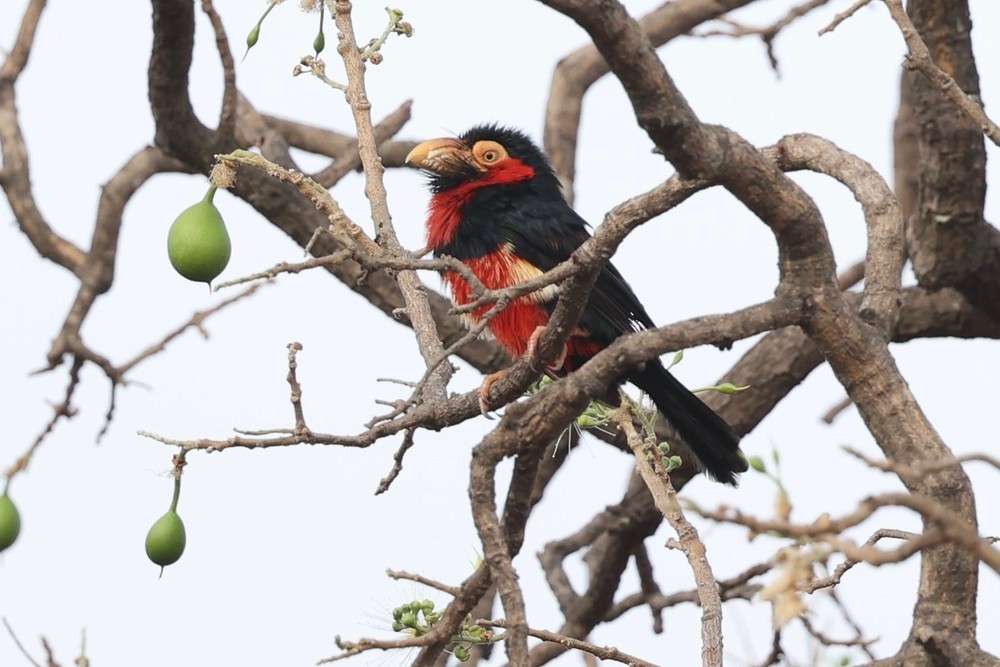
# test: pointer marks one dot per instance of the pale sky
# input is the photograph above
(287, 549)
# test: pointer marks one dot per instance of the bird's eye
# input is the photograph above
(488, 153)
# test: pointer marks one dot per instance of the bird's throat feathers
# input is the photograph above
(445, 213)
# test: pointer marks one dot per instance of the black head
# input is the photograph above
(484, 155)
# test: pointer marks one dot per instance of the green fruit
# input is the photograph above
(10, 522)
(198, 243)
(165, 540)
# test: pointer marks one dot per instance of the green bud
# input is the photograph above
(254, 33)
(397, 613)
(10, 522)
(409, 619)
(664, 447)
(757, 463)
(319, 43)
(253, 36)
(427, 606)
(397, 626)
(461, 653)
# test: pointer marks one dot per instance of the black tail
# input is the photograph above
(709, 436)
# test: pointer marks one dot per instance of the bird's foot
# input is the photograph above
(484, 390)
(531, 353)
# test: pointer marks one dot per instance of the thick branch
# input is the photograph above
(15, 177)
(950, 242)
(577, 72)
(855, 352)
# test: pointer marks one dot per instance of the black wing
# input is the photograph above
(545, 238)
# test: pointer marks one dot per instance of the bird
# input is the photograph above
(496, 205)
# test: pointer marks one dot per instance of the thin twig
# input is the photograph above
(826, 640)
(920, 59)
(776, 653)
(832, 593)
(734, 588)
(843, 16)
(397, 462)
(60, 411)
(296, 389)
(949, 528)
(453, 591)
(196, 321)
(417, 306)
(649, 461)
(841, 570)
(924, 468)
(769, 33)
(832, 413)
(17, 641)
(602, 652)
(50, 659)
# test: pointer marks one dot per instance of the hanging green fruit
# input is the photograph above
(165, 541)
(319, 43)
(10, 522)
(198, 244)
(254, 34)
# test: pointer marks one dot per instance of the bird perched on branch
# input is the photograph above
(497, 207)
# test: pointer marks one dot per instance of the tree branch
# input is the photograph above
(15, 176)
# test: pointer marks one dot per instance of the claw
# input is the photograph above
(484, 390)
(531, 353)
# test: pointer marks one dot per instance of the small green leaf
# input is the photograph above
(729, 388)
(757, 464)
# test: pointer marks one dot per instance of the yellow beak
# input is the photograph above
(440, 156)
